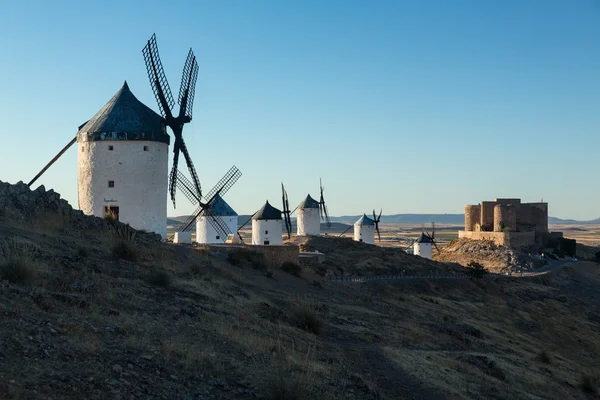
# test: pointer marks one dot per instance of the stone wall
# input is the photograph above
(508, 239)
(487, 215)
(472, 217)
(274, 255)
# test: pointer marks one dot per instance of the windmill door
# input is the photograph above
(111, 213)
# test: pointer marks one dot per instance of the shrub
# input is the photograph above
(292, 268)
(125, 249)
(17, 269)
(83, 252)
(306, 316)
(544, 357)
(587, 385)
(476, 270)
(160, 278)
(283, 386)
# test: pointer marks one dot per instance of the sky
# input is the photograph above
(410, 106)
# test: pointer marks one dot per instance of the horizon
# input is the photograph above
(405, 106)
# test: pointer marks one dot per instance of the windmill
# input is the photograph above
(205, 210)
(323, 207)
(423, 245)
(164, 98)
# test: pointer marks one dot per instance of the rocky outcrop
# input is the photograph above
(20, 204)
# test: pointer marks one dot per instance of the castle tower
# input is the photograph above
(364, 230)
(423, 247)
(309, 218)
(122, 164)
(267, 226)
(205, 232)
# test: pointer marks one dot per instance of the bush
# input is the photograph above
(597, 256)
(247, 258)
(306, 316)
(17, 269)
(124, 242)
(160, 278)
(587, 385)
(292, 268)
(125, 249)
(544, 357)
(476, 270)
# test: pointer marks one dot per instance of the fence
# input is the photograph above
(393, 277)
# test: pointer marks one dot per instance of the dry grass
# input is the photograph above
(160, 278)
(292, 268)
(17, 263)
(307, 316)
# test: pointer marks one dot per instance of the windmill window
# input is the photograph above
(266, 232)
(145, 148)
(110, 148)
(111, 183)
(266, 242)
(218, 237)
(82, 149)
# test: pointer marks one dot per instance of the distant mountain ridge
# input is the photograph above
(451, 219)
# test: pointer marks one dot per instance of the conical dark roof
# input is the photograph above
(308, 202)
(424, 239)
(219, 207)
(124, 117)
(365, 221)
(267, 212)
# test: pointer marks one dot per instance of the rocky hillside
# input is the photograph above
(494, 258)
(92, 309)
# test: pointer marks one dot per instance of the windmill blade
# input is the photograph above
(226, 182)
(190, 219)
(187, 187)
(191, 168)
(158, 79)
(377, 229)
(188, 86)
(326, 216)
(173, 174)
(347, 229)
(321, 200)
(432, 230)
(286, 211)
(56, 157)
(380, 211)
(435, 244)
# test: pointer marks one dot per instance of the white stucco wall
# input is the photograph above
(308, 222)
(366, 233)
(423, 249)
(206, 233)
(140, 181)
(267, 230)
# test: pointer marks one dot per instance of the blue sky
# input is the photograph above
(410, 106)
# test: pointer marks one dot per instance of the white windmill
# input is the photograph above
(423, 246)
(207, 230)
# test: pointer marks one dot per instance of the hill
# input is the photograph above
(92, 309)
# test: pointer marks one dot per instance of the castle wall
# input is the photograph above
(508, 239)
(487, 215)
(472, 216)
(505, 218)
(540, 216)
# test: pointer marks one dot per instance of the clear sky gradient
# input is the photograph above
(410, 106)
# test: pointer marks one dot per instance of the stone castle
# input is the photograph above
(508, 222)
